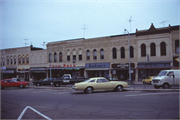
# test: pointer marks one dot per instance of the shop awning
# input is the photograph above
(65, 68)
(97, 69)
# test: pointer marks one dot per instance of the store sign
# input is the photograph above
(123, 65)
(64, 65)
(97, 65)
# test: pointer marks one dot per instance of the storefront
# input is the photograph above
(57, 71)
(8, 72)
(146, 69)
(120, 71)
(23, 74)
(97, 69)
(37, 73)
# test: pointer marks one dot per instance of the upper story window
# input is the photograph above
(94, 54)
(19, 59)
(27, 59)
(102, 54)
(15, 60)
(131, 52)
(80, 54)
(55, 57)
(68, 55)
(60, 57)
(177, 46)
(122, 52)
(163, 48)
(87, 55)
(114, 53)
(143, 50)
(50, 57)
(7, 60)
(74, 55)
(153, 49)
(23, 59)
(11, 60)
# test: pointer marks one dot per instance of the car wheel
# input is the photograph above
(156, 87)
(38, 84)
(119, 88)
(166, 86)
(21, 86)
(57, 85)
(89, 90)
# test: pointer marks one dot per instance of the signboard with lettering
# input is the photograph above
(97, 65)
(123, 65)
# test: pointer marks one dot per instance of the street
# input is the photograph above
(70, 104)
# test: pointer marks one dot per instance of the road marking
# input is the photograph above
(22, 113)
(149, 94)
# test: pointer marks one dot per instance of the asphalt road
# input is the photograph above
(70, 104)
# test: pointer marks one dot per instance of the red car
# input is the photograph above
(12, 83)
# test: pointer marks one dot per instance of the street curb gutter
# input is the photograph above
(125, 89)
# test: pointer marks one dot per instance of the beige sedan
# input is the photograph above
(99, 83)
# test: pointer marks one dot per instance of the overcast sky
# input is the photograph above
(46, 21)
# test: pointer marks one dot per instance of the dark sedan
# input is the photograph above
(47, 81)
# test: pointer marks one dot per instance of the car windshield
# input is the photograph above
(162, 73)
(15, 81)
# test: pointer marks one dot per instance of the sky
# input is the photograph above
(26, 22)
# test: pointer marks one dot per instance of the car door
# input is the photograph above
(169, 78)
(47, 81)
(12, 83)
(4, 83)
(103, 84)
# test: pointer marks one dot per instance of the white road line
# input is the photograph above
(149, 94)
(22, 113)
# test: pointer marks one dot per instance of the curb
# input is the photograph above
(125, 89)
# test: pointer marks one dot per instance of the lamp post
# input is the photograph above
(129, 56)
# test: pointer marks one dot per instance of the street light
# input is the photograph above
(129, 56)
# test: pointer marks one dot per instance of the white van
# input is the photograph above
(166, 80)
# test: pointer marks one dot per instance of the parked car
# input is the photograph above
(67, 79)
(12, 83)
(166, 79)
(47, 81)
(148, 80)
(99, 83)
(17, 79)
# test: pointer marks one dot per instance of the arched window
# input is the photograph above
(143, 50)
(60, 57)
(131, 52)
(23, 59)
(153, 49)
(94, 54)
(7, 60)
(11, 60)
(19, 59)
(80, 54)
(74, 56)
(27, 59)
(177, 46)
(163, 48)
(55, 57)
(122, 52)
(68, 55)
(114, 53)
(102, 54)
(14, 60)
(50, 57)
(88, 55)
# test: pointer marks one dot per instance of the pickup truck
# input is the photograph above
(67, 79)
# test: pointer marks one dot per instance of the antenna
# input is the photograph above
(44, 44)
(130, 20)
(163, 22)
(25, 42)
(84, 30)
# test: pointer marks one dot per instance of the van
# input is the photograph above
(166, 79)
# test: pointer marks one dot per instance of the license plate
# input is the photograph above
(65, 81)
